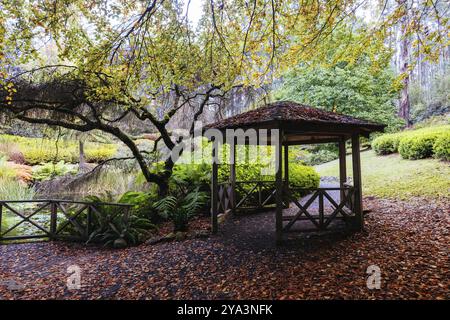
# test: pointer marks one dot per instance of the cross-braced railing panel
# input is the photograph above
(22, 220)
(76, 220)
(29, 219)
(225, 197)
(350, 198)
(321, 208)
(255, 194)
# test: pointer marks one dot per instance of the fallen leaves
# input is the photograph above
(407, 240)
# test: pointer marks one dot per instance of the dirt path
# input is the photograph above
(407, 240)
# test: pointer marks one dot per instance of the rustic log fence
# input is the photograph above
(57, 217)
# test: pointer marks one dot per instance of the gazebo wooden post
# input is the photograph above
(356, 160)
(214, 187)
(233, 175)
(286, 166)
(342, 166)
(279, 188)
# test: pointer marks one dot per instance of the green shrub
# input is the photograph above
(441, 147)
(114, 230)
(143, 205)
(43, 150)
(300, 177)
(49, 170)
(191, 176)
(37, 155)
(100, 153)
(303, 177)
(319, 157)
(244, 172)
(386, 144)
(417, 146)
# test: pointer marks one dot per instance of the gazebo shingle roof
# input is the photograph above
(293, 113)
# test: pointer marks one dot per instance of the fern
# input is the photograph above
(110, 226)
(166, 205)
(180, 210)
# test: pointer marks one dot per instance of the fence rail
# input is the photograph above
(51, 219)
(256, 195)
(318, 216)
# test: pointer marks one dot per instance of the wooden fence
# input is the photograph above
(318, 216)
(51, 219)
(260, 195)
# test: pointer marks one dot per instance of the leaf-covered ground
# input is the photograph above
(408, 240)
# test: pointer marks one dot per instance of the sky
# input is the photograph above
(195, 10)
(364, 11)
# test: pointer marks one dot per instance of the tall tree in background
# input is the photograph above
(419, 37)
(404, 103)
(354, 89)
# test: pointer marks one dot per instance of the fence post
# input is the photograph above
(214, 187)
(53, 217)
(321, 213)
(342, 167)
(260, 197)
(357, 205)
(279, 188)
(233, 175)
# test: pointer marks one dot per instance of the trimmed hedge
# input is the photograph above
(441, 147)
(386, 144)
(417, 146)
(413, 144)
(304, 177)
(99, 154)
(300, 176)
(37, 155)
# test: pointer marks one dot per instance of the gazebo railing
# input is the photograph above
(321, 208)
(249, 195)
(257, 195)
(225, 197)
(51, 219)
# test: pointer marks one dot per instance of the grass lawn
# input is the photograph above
(393, 177)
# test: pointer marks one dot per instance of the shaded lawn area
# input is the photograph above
(393, 177)
(407, 240)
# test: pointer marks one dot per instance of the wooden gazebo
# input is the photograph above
(296, 124)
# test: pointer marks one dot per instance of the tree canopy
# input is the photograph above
(349, 89)
(145, 59)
